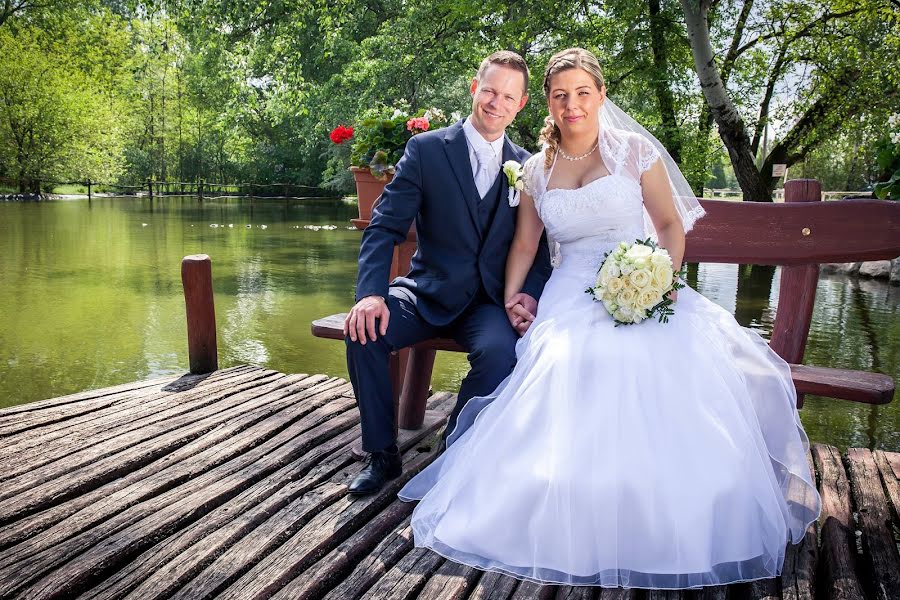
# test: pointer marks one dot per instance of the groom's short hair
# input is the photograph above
(505, 58)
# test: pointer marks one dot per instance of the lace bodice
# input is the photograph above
(589, 221)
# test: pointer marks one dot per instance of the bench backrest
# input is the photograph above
(799, 234)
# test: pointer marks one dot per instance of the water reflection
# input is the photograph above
(92, 297)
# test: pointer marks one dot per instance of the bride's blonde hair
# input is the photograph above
(570, 58)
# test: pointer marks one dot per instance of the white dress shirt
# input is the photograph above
(480, 146)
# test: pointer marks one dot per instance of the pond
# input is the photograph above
(91, 297)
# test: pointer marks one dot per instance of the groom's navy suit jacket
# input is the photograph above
(434, 185)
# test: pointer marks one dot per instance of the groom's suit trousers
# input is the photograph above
(482, 329)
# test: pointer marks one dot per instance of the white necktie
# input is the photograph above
(487, 169)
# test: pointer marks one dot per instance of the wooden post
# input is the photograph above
(89, 189)
(196, 278)
(150, 187)
(797, 293)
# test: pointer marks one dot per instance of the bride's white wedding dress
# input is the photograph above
(652, 455)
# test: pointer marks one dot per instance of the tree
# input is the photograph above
(835, 57)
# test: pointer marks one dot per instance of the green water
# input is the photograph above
(90, 296)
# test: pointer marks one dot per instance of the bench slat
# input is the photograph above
(857, 386)
(772, 234)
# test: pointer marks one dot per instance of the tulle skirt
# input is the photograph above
(654, 456)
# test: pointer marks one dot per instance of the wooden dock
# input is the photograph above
(233, 485)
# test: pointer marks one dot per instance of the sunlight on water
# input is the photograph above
(91, 297)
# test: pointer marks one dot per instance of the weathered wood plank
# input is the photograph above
(63, 447)
(667, 594)
(762, 589)
(713, 592)
(452, 581)
(528, 590)
(799, 569)
(8, 414)
(572, 592)
(837, 562)
(328, 572)
(18, 419)
(875, 523)
(405, 579)
(90, 454)
(279, 563)
(163, 569)
(134, 530)
(128, 410)
(198, 456)
(385, 555)
(132, 451)
(889, 467)
(494, 586)
(618, 594)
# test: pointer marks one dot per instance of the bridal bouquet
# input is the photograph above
(633, 282)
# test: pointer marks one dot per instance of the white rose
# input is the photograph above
(614, 285)
(641, 263)
(610, 306)
(627, 269)
(660, 258)
(608, 271)
(520, 185)
(663, 277)
(626, 297)
(640, 278)
(648, 298)
(638, 251)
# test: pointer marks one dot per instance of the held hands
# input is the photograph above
(520, 309)
(361, 319)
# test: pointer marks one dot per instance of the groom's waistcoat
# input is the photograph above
(463, 240)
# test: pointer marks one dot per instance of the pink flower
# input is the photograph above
(417, 124)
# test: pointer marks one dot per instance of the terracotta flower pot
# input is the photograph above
(368, 189)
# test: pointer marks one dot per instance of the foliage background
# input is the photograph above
(247, 90)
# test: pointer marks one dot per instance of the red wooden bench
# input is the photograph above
(799, 234)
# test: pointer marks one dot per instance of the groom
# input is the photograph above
(451, 183)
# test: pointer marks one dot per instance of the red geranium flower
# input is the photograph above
(417, 123)
(341, 134)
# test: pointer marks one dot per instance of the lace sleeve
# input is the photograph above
(647, 154)
(533, 176)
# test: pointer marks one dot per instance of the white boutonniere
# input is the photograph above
(513, 172)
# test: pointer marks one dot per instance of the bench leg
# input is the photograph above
(415, 388)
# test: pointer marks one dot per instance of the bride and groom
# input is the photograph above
(579, 453)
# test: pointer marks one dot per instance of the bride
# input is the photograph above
(653, 455)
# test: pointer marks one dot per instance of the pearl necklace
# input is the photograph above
(583, 156)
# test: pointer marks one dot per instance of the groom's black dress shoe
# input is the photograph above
(383, 466)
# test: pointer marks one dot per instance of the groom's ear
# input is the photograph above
(474, 86)
(523, 101)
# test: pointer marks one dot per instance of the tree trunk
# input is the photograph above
(731, 126)
(671, 132)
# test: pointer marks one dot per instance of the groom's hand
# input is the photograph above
(520, 309)
(361, 319)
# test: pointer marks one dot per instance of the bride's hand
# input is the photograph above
(673, 295)
(520, 309)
